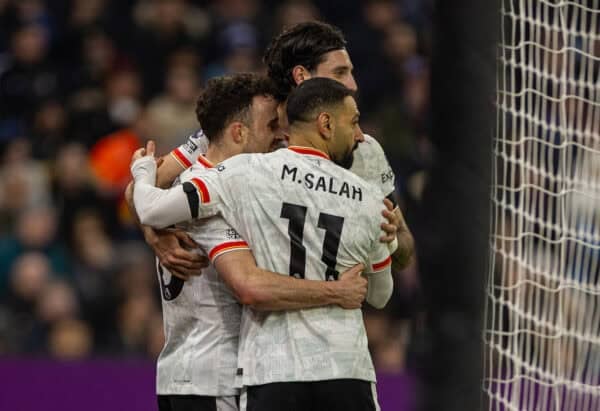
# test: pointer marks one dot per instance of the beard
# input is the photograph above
(347, 160)
(277, 144)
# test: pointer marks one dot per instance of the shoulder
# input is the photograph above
(373, 191)
(237, 161)
(196, 170)
(370, 148)
(371, 164)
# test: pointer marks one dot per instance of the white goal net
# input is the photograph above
(542, 335)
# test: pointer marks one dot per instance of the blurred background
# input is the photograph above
(85, 82)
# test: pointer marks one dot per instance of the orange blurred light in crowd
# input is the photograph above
(110, 158)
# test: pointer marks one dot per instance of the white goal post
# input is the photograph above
(542, 330)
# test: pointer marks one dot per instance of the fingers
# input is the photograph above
(181, 276)
(356, 270)
(390, 231)
(353, 272)
(186, 259)
(391, 217)
(150, 148)
(183, 271)
(388, 204)
(137, 154)
(185, 239)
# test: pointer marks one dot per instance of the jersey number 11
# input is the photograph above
(332, 225)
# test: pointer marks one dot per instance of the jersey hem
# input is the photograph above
(372, 379)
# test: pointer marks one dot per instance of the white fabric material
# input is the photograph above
(250, 192)
(159, 208)
(227, 404)
(370, 162)
(380, 287)
(201, 322)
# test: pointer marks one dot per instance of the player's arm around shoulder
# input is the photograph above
(264, 290)
(161, 208)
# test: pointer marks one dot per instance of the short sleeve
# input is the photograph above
(219, 238)
(379, 258)
(218, 188)
(187, 153)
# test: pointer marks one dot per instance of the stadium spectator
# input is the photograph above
(73, 72)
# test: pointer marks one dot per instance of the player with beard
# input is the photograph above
(304, 215)
(197, 366)
(304, 51)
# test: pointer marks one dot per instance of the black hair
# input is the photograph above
(229, 98)
(303, 44)
(313, 95)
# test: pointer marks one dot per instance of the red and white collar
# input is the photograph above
(309, 151)
(204, 161)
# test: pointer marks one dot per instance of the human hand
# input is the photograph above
(351, 288)
(147, 151)
(173, 249)
(393, 223)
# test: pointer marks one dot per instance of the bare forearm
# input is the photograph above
(168, 171)
(273, 292)
(131, 206)
(269, 291)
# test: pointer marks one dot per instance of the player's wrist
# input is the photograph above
(144, 170)
(335, 292)
(149, 235)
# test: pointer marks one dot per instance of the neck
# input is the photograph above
(217, 152)
(302, 138)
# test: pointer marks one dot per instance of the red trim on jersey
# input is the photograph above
(380, 266)
(204, 161)
(228, 246)
(204, 195)
(181, 158)
(308, 150)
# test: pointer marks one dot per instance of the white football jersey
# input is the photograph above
(304, 216)
(201, 317)
(370, 162)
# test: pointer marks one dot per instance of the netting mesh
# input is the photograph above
(543, 305)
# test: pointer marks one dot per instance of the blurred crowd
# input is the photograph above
(85, 82)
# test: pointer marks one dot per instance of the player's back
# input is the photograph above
(304, 216)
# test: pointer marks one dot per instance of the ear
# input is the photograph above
(300, 73)
(325, 125)
(238, 132)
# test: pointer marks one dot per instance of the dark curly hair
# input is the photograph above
(228, 98)
(313, 95)
(303, 44)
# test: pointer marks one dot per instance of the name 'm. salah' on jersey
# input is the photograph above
(304, 216)
(201, 317)
(370, 162)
